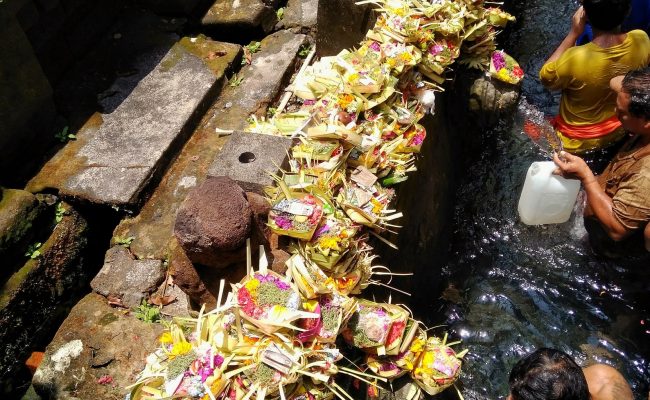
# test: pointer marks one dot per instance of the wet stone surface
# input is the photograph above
(34, 296)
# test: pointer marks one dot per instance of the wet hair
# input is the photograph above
(606, 15)
(637, 85)
(548, 374)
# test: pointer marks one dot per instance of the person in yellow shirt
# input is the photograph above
(586, 122)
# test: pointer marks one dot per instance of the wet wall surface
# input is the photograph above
(512, 288)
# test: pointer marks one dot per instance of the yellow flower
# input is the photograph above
(345, 100)
(252, 286)
(180, 348)
(330, 242)
(166, 338)
(406, 57)
(353, 78)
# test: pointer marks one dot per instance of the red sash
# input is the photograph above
(582, 132)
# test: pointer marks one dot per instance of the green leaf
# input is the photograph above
(123, 241)
(280, 13)
(32, 250)
(254, 46)
(59, 212)
(304, 50)
(235, 81)
(146, 312)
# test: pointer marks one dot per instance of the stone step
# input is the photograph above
(269, 71)
(95, 341)
(117, 156)
(152, 228)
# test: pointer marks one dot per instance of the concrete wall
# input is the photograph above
(39, 40)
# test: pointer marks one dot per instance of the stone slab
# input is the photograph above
(301, 14)
(116, 157)
(262, 81)
(127, 278)
(250, 158)
(241, 15)
(94, 341)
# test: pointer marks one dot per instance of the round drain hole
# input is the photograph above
(246, 157)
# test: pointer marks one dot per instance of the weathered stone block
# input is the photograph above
(129, 279)
(240, 15)
(270, 69)
(300, 14)
(334, 36)
(33, 297)
(95, 340)
(115, 162)
(250, 158)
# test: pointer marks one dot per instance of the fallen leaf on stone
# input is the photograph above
(115, 301)
(214, 54)
(159, 300)
(105, 380)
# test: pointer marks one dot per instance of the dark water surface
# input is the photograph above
(514, 288)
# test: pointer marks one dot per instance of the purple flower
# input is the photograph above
(282, 285)
(218, 360)
(309, 102)
(283, 222)
(498, 60)
(375, 46)
(433, 50)
(322, 230)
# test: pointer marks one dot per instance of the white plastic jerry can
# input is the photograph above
(546, 198)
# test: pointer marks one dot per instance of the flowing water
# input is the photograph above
(513, 288)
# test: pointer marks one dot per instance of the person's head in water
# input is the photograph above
(547, 374)
(606, 15)
(633, 100)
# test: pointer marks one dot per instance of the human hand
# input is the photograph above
(579, 21)
(570, 166)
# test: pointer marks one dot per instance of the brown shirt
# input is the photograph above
(627, 181)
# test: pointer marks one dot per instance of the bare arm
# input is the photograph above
(646, 236)
(577, 27)
(600, 203)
